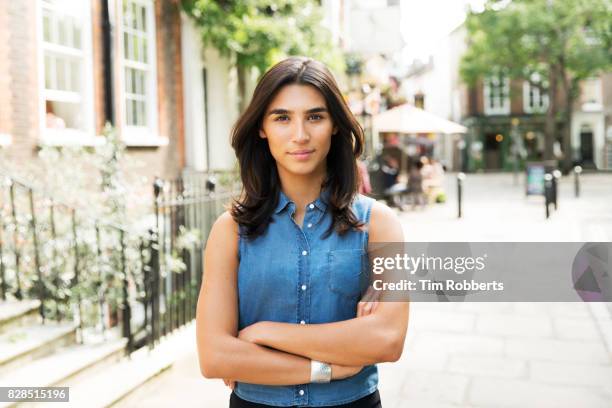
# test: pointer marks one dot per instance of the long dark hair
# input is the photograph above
(261, 184)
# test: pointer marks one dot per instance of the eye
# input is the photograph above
(281, 118)
(316, 116)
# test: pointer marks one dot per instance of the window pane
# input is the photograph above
(136, 113)
(75, 76)
(61, 27)
(127, 14)
(143, 89)
(46, 26)
(134, 11)
(134, 80)
(143, 18)
(145, 56)
(76, 36)
(136, 48)
(128, 111)
(125, 45)
(48, 80)
(142, 120)
(128, 80)
(60, 71)
(136, 86)
(137, 17)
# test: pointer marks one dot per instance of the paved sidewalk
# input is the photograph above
(476, 354)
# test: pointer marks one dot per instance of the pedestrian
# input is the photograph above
(390, 170)
(415, 184)
(281, 311)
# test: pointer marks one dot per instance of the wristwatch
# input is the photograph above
(320, 372)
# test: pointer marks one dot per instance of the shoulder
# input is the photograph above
(385, 225)
(224, 231)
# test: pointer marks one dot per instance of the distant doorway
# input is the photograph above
(586, 149)
(492, 151)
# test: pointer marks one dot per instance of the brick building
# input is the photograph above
(67, 67)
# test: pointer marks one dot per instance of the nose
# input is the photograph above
(300, 133)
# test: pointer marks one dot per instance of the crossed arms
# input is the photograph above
(276, 353)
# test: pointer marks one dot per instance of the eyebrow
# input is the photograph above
(280, 111)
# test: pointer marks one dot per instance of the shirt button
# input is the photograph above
(304, 253)
(303, 287)
(309, 225)
(302, 322)
(311, 206)
(301, 392)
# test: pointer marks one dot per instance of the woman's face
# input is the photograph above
(299, 129)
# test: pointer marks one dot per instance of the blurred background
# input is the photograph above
(484, 121)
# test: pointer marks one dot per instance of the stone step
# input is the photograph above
(24, 344)
(114, 383)
(14, 313)
(65, 365)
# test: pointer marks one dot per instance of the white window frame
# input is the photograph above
(140, 135)
(67, 136)
(597, 104)
(541, 98)
(502, 107)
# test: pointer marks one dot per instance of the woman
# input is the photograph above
(279, 316)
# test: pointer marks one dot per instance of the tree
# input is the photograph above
(259, 33)
(564, 41)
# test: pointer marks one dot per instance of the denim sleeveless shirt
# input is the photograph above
(294, 275)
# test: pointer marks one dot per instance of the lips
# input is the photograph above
(302, 154)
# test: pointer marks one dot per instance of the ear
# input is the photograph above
(335, 130)
(262, 134)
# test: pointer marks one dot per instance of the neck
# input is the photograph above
(302, 189)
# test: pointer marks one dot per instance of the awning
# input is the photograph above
(409, 119)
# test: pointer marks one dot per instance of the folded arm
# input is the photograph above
(371, 339)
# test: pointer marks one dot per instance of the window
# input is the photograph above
(139, 91)
(497, 95)
(535, 95)
(591, 97)
(66, 73)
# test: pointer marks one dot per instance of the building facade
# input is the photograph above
(506, 117)
(69, 67)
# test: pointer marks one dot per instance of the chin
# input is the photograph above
(301, 169)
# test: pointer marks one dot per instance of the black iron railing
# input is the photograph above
(105, 275)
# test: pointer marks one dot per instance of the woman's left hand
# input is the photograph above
(368, 303)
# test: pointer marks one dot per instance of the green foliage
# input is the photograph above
(260, 33)
(527, 36)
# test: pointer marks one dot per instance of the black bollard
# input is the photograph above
(211, 183)
(548, 182)
(577, 171)
(460, 178)
(555, 190)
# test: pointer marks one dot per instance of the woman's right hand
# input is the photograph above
(340, 372)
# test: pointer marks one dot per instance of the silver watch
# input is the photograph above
(320, 372)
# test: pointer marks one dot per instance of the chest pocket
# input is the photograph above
(346, 272)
